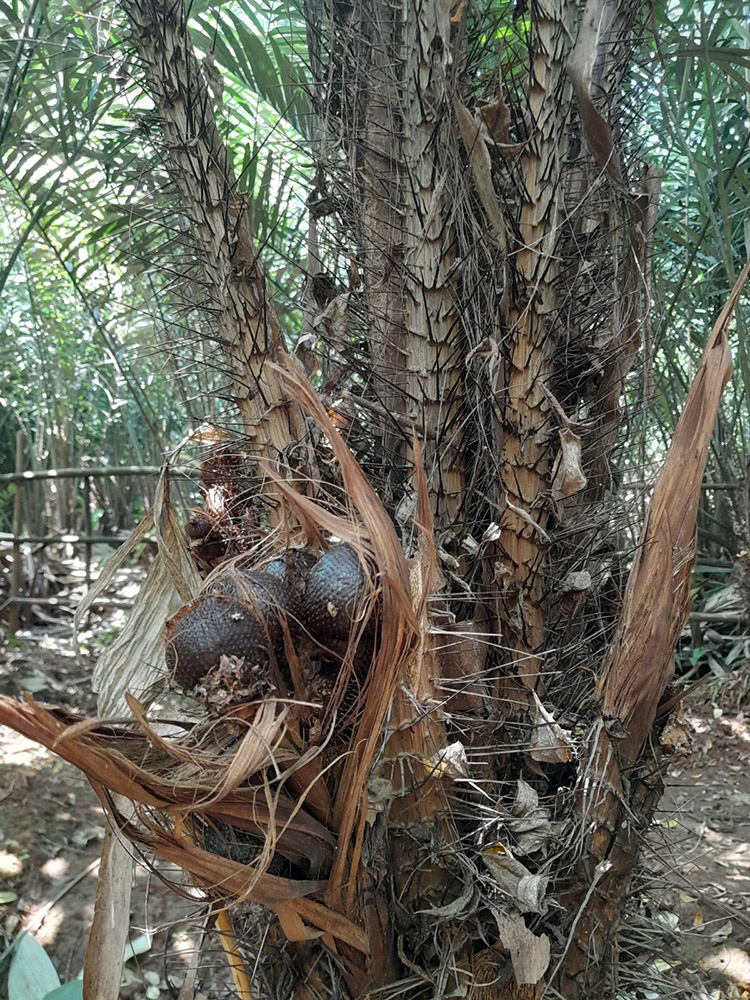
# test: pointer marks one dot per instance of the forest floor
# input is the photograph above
(51, 831)
(687, 932)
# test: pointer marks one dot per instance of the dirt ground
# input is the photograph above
(690, 917)
(51, 832)
(687, 934)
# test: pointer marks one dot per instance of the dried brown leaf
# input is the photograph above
(567, 475)
(529, 822)
(472, 135)
(549, 742)
(527, 890)
(135, 660)
(398, 624)
(529, 952)
(256, 749)
(103, 755)
(496, 117)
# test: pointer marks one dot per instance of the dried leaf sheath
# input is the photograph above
(135, 660)
(657, 599)
(398, 630)
(108, 755)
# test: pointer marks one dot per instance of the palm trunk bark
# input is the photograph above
(525, 458)
(242, 317)
(402, 147)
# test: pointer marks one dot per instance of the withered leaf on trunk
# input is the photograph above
(529, 952)
(580, 67)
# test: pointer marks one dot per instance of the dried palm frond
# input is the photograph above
(212, 773)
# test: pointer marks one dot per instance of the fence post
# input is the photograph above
(15, 576)
(87, 525)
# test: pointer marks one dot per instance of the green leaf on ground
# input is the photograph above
(32, 975)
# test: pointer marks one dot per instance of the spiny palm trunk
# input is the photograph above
(404, 146)
(242, 318)
(525, 448)
(538, 227)
(416, 137)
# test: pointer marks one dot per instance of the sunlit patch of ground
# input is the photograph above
(690, 920)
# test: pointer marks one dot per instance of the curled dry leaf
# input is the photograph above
(528, 822)
(451, 762)
(461, 906)
(567, 475)
(549, 742)
(492, 533)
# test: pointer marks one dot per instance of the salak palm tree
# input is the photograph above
(478, 292)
